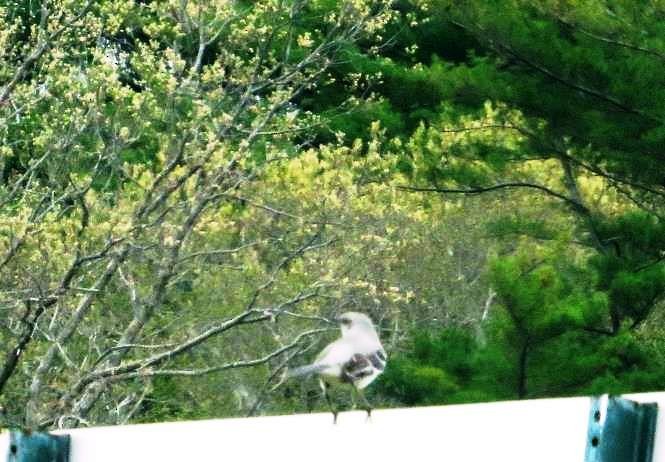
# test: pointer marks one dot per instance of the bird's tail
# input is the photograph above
(305, 370)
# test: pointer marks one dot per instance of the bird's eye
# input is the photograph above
(346, 322)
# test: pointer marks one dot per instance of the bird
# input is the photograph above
(357, 358)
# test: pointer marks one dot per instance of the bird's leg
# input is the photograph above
(354, 401)
(365, 403)
(310, 400)
(324, 387)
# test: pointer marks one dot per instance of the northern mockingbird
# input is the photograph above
(357, 358)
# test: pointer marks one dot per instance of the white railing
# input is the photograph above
(532, 430)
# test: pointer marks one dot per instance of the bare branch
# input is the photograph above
(207, 253)
(610, 41)
(147, 372)
(510, 185)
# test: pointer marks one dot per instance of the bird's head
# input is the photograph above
(352, 321)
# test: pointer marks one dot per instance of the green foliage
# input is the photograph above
(445, 367)
(470, 370)
(554, 102)
(634, 274)
(417, 384)
(483, 178)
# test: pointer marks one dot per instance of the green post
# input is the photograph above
(26, 446)
(620, 430)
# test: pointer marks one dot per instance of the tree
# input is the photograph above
(554, 109)
(189, 189)
(129, 131)
(541, 341)
(542, 102)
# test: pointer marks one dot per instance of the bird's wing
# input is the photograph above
(338, 352)
(363, 366)
(378, 359)
(323, 353)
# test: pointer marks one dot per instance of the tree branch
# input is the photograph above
(610, 41)
(498, 45)
(44, 42)
(479, 190)
(147, 372)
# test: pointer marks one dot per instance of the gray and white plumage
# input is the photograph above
(356, 358)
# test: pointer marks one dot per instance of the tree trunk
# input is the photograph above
(521, 375)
